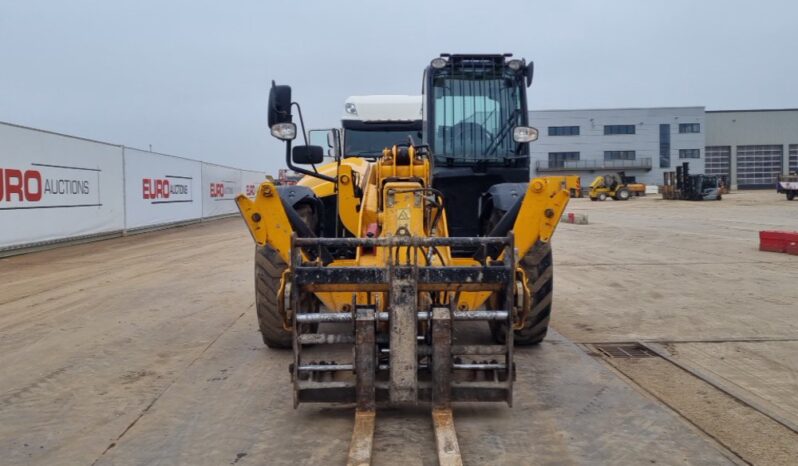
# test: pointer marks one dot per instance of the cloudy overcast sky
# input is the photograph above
(191, 77)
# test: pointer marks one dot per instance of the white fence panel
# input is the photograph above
(220, 186)
(54, 187)
(161, 189)
(250, 181)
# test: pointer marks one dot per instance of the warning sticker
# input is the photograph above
(403, 218)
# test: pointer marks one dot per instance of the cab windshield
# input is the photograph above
(474, 115)
(371, 142)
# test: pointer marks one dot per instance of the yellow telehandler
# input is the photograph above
(615, 187)
(402, 249)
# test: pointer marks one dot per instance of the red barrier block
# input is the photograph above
(778, 241)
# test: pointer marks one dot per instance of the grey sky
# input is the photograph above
(191, 77)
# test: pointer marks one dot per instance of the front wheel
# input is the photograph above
(269, 269)
(602, 197)
(539, 269)
(790, 195)
(622, 195)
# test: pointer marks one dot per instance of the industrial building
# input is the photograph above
(642, 142)
(752, 147)
(749, 148)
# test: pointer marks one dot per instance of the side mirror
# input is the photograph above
(307, 155)
(530, 73)
(279, 105)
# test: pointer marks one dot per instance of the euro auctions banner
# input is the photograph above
(250, 181)
(54, 186)
(161, 189)
(220, 186)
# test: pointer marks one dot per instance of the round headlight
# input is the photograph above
(350, 108)
(525, 134)
(514, 65)
(284, 131)
(438, 63)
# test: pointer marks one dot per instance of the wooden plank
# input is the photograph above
(362, 443)
(446, 438)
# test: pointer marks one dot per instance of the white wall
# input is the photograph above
(592, 142)
(250, 181)
(752, 127)
(55, 187)
(161, 189)
(220, 186)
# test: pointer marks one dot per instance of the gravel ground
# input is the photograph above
(144, 350)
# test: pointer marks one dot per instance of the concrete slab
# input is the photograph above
(753, 436)
(650, 269)
(235, 401)
(145, 350)
(762, 374)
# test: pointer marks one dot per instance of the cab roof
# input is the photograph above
(382, 108)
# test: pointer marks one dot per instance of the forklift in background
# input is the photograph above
(681, 185)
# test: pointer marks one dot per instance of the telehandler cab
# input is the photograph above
(405, 248)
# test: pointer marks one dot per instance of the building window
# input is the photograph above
(619, 155)
(689, 153)
(718, 160)
(563, 131)
(689, 127)
(558, 159)
(619, 129)
(664, 146)
(793, 158)
(758, 165)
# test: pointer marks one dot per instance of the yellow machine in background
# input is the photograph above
(406, 247)
(615, 187)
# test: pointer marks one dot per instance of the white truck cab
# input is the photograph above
(373, 122)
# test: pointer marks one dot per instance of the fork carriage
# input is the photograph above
(404, 353)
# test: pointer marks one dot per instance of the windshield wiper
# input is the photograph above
(502, 134)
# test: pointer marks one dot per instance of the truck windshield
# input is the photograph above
(372, 142)
(474, 116)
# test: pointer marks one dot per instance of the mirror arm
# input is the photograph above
(290, 163)
(304, 171)
(301, 121)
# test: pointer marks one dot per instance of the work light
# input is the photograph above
(525, 134)
(514, 65)
(438, 63)
(284, 131)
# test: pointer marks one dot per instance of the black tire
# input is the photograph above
(602, 197)
(790, 195)
(269, 268)
(539, 268)
(622, 194)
